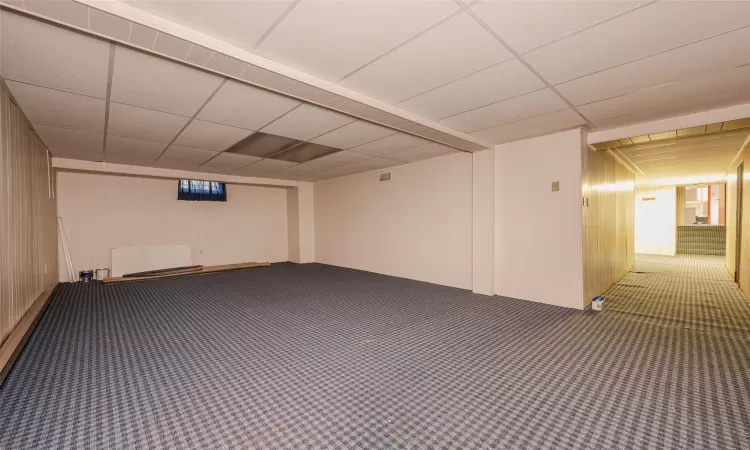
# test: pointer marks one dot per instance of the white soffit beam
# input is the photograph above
(672, 123)
(399, 119)
(156, 172)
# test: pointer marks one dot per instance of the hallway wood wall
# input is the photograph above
(28, 238)
(744, 280)
(608, 222)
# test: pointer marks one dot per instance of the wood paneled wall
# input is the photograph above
(744, 269)
(28, 240)
(731, 253)
(608, 222)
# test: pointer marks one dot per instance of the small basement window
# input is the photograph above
(199, 190)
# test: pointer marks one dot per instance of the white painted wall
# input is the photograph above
(418, 225)
(301, 223)
(538, 233)
(483, 233)
(656, 220)
(105, 211)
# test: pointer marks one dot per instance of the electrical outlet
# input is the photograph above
(555, 186)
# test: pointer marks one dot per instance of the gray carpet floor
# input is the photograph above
(320, 357)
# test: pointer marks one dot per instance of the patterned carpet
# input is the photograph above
(320, 357)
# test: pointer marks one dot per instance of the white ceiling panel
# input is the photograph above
(356, 133)
(330, 39)
(717, 83)
(722, 52)
(523, 107)
(231, 161)
(144, 80)
(60, 140)
(451, 50)
(126, 150)
(654, 28)
(145, 124)
(240, 23)
(184, 157)
(427, 151)
(46, 55)
(52, 107)
(535, 126)
(246, 107)
(525, 25)
(390, 144)
(506, 80)
(306, 122)
(334, 160)
(210, 136)
(269, 165)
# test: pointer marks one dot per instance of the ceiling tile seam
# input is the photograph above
(654, 54)
(66, 128)
(666, 84)
(608, 19)
(130, 29)
(454, 81)
(53, 89)
(520, 120)
(493, 103)
(88, 17)
(191, 120)
(284, 14)
(77, 29)
(502, 42)
(402, 43)
(110, 72)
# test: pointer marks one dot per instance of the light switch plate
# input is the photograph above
(555, 186)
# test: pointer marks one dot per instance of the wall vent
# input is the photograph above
(384, 177)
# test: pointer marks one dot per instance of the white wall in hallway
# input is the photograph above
(538, 232)
(105, 211)
(656, 220)
(418, 225)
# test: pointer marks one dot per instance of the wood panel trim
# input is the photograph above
(17, 338)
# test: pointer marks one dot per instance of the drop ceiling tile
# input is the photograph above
(506, 80)
(654, 28)
(57, 108)
(239, 23)
(198, 55)
(263, 145)
(144, 80)
(77, 153)
(340, 46)
(46, 55)
(307, 122)
(66, 11)
(109, 25)
(71, 141)
(171, 46)
(333, 160)
(269, 165)
(231, 161)
(184, 157)
(535, 126)
(390, 144)
(305, 152)
(121, 149)
(527, 25)
(721, 52)
(216, 170)
(245, 106)
(356, 133)
(432, 59)
(431, 150)
(145, 124)
(717, 83)
(142, 36)
(210, 136)
(226, 65)
(519, 108)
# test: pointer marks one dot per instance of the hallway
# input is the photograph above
(693, 292)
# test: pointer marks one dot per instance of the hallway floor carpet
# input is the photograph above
(321, 357)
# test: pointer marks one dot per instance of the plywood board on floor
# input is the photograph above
(204, 270)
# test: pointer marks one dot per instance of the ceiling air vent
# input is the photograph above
(384, 177)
